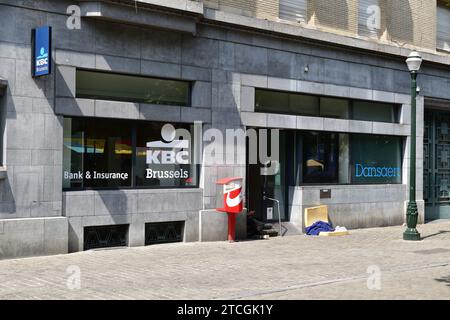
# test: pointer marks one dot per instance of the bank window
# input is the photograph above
(120, 87)
(270, 101)
(158, 173)
(109, 153)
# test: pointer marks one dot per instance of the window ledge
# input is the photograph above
(148, 18)
(191, 6)
(390, 49)
(354, 186)
(443, 50)
(132, 191)
(3, 173)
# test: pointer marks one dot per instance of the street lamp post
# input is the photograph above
(414, 61)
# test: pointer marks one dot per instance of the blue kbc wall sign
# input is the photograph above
(42, 51)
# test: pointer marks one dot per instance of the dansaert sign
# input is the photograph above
(363, 171)
(41, 39)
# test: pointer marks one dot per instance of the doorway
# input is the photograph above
(273, 186)
(436, 164)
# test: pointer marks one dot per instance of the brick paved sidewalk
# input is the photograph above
(295, 267)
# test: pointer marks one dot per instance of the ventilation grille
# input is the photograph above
(105, 236)
(163, 232)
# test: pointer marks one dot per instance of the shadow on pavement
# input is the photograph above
(445, 280)
(435, 234)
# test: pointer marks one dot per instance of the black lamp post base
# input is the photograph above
(412, 214)
(411, 234)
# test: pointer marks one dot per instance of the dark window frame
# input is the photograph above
(396, 107)
(298, 154)
(133, 185)
(303, 166)
(189, 84)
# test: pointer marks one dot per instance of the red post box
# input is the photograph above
(232, 201)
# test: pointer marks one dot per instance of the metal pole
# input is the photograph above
(279, 213)
(279, 218)
(411, 232)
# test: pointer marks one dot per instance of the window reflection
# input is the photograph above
(321, 157)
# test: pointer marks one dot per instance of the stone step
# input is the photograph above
(288, 229)
(270, 232)
(267, 226)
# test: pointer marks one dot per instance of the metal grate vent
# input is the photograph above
(105, 236)
(163, 232)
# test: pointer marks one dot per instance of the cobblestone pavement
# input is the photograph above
(294, 267)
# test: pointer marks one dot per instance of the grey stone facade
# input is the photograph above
(225, 65)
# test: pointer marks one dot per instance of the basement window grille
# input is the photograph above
(163, 232)
(105, 236)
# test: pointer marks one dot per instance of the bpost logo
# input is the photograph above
(234, 195)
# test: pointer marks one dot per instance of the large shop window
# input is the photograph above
(325, 157)
(280, 102)
(109, 153)
(337, 158)
(120, 87)
(375, 159)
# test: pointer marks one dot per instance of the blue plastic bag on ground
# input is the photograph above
(318, 227)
